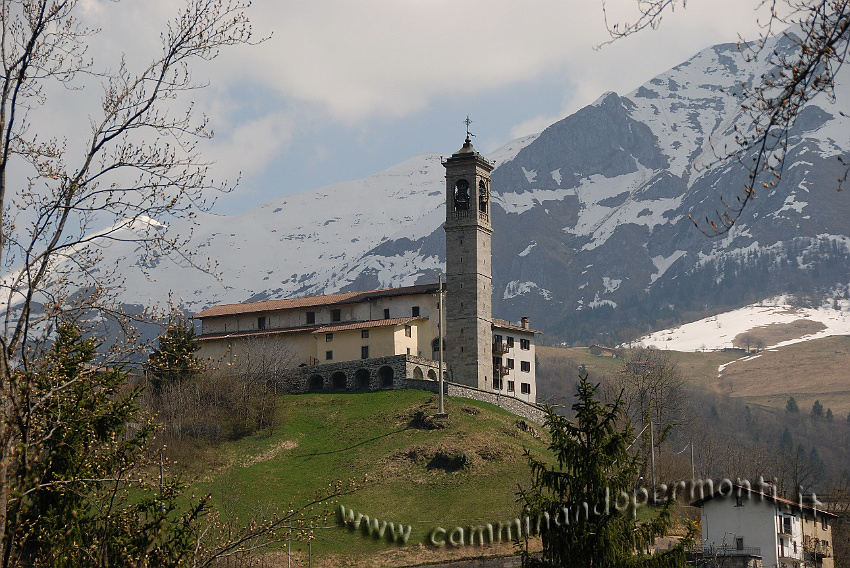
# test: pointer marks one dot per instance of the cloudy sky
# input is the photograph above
(342, 89)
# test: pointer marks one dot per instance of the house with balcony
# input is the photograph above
(752, 527)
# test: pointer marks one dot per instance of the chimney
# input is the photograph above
(525, 322)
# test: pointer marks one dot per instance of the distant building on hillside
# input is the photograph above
(604, 351)
(380, 338)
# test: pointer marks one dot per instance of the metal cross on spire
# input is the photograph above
(468, 122)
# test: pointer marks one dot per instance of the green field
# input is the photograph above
(373, 439)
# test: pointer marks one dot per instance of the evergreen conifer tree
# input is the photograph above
(594, 467)
(78, 496)
(174, 359)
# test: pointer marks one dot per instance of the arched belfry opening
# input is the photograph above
(483, 197)
(461, 195)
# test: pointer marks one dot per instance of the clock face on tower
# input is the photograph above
(461, 195)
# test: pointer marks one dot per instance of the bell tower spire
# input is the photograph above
(469, 314)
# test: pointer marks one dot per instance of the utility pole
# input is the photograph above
(652, 458)
(442, 410)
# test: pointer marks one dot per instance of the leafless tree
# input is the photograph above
(771, 106)
(124, 179)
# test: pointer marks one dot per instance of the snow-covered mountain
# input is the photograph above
(591, 217)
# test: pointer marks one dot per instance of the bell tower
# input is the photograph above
(469, 313)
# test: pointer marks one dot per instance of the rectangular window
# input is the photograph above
(497, 360)
(510, 364)
(311, 317)
(386, 313)
(329, 337)
(525, 388)
(497, 338)
(739, 543)
(408, 331)
(364, 352)
(497, 384)
(525, 366)
(261, 322)
(364, 334)
(408, 350)
(329, 355)
(510, 386)
(415, 311)
(525, 344)
(510, 342)
(336, 315)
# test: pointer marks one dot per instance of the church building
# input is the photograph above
(384, 338)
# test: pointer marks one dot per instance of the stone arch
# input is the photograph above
(338, 380)
(316, 383)
(432, 375)
(386, 376)
(417, 373)
(461, 196)
(435, 345)
(362, 379)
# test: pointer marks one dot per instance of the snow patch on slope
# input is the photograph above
(717, 332)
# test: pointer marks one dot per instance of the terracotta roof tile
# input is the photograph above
(313, 301)
(252, 333)
(505, 324)
(366, 324)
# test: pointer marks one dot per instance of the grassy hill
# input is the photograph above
(809, 371)
(408, 469)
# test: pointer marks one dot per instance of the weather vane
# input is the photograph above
(468, 122)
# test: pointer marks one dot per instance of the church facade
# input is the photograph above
(380, 338)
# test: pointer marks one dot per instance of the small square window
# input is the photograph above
(311, 317)
(329, 337)
(510, 364)
(261, 322)
(386, 313)
(525, 366)
(364, 352)
(336, 315)
(364, 334)
(511, 386)
(415, 311)
(329, 355)
(408, 331)
(525, 388)
(525, 344)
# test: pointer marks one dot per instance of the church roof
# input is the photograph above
(314, 301)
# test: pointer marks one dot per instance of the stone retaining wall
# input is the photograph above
(513, 405)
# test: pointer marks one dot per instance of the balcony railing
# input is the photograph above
(710, 550)
(500, 348)
(786, 530)
(500, 370)
(819, 548)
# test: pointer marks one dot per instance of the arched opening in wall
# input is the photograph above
(432, 375)
(385, 377)
(417, 374)
(338, 380)
(435, 347)
(462, 195)
(316, 383)
(483, 196)
(361, 379)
